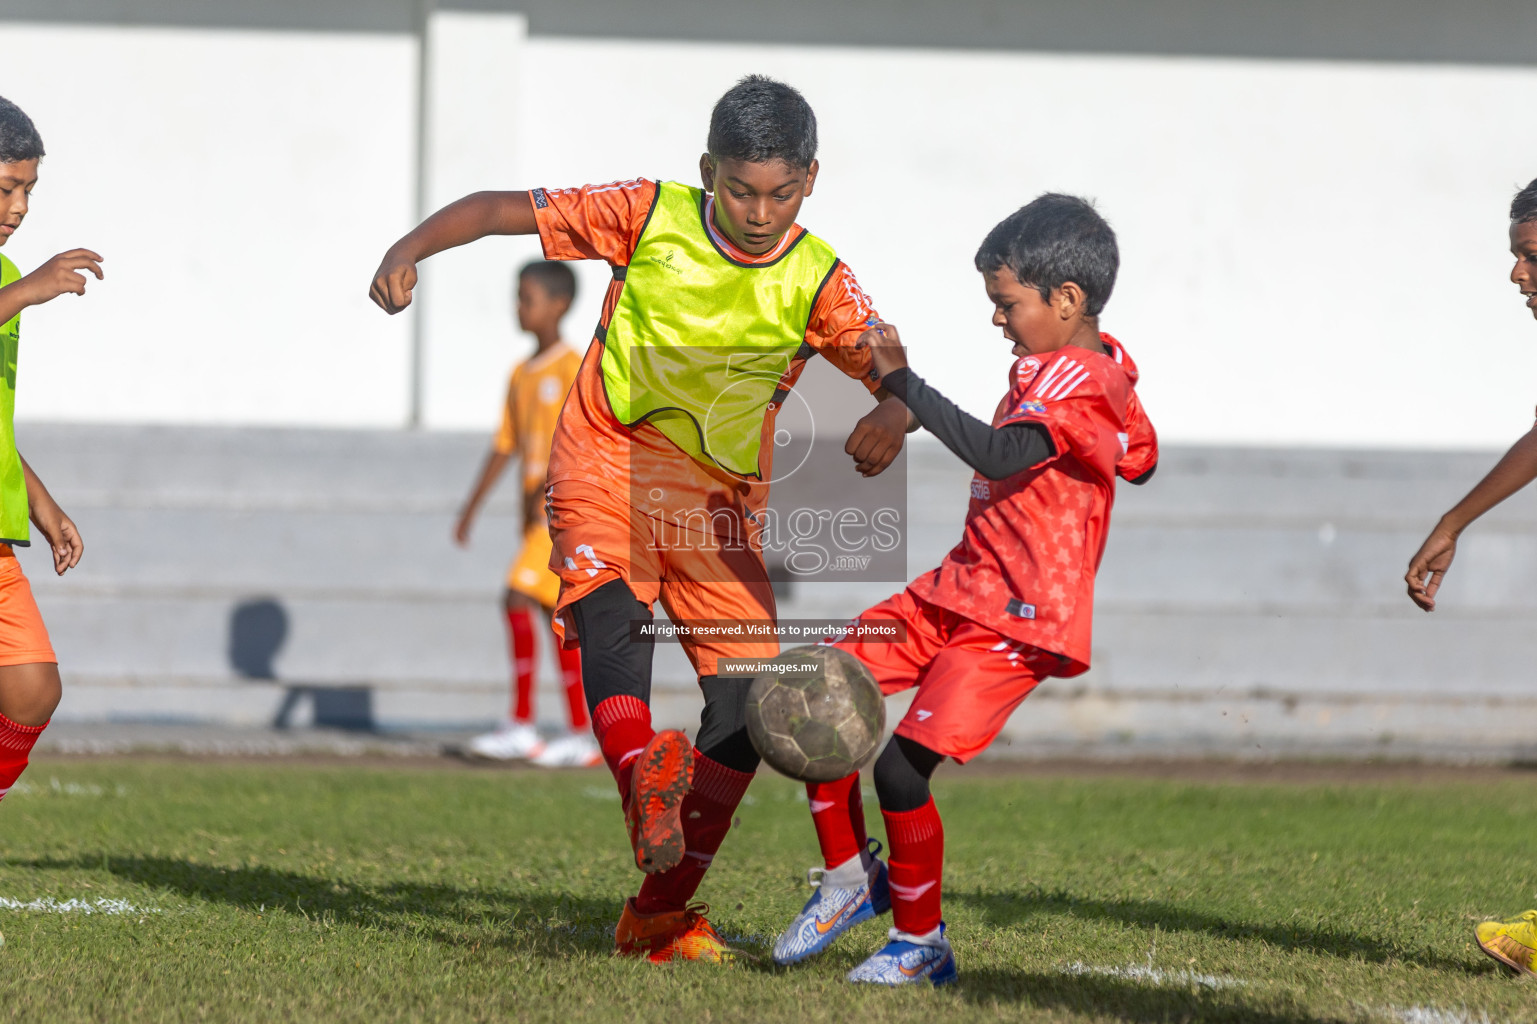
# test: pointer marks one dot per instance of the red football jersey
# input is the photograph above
(1032, 543)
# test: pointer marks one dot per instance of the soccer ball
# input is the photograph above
(820, 719)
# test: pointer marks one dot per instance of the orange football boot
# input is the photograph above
(659, 782)
(670, 935)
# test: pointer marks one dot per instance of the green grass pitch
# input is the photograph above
(337, 892)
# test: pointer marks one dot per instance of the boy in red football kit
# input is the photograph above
(1512, 943)
(1012, 603)
(662, 456)
(535, 393)
(29, 671)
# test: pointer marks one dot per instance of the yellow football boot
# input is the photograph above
(670, 935)
(1512, 943)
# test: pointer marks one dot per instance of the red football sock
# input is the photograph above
(623, 728)
(706, 813)
(917, 859)
(520, 638)
(15, 744)
(571, 676)
(838, 811)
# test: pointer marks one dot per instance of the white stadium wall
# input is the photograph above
(236, 182)
(1313, 252)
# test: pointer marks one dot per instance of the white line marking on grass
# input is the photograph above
(49, 905)
(57, 788)
(600, 792)
(1436, 1015)
(1154, 976)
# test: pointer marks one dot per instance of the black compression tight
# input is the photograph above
(902, 774)
(616, 661)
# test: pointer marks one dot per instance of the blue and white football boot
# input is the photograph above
(910, 959)
(848, 895)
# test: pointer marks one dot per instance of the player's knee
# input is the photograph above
(29, 694)
(723, 724)
(615, 661)
(514, 601)
(902, 774)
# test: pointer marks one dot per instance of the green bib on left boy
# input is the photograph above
(698, 342)
(13, 485)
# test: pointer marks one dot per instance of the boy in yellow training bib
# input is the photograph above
(29, 671)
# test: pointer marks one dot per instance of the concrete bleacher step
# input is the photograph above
(1248, 599)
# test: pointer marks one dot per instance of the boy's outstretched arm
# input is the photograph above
(59, 275)
(1516, 469)
(59, 530)
(995, 452)
(458, 223)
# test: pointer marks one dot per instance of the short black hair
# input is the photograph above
(553, 276)
(1055, 239)
(19, 139)
(1523, 208)
(759, 120)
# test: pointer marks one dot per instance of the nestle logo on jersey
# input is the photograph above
(665, 262)
(980, 489)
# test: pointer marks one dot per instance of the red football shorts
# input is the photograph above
(23, 638)
(969, 678)
(598, 537)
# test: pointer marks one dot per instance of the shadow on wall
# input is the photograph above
(258, 628)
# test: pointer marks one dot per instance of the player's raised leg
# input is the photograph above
(652, 769)
(724, 762)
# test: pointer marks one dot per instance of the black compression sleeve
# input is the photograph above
(995, 452)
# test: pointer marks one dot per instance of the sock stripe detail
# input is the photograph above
(918, 826)
(619, 709)
(19, 737)
(718, 784)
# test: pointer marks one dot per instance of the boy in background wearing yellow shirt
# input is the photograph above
(535, 393)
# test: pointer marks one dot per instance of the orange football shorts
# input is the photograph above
(23, 637)
(598, 537)
(969, 678)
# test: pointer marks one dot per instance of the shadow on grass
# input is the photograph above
(1126, 1000)
(1004, 908)
(546, 924)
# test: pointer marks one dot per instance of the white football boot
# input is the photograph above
(514, 741)
(575, 750)
(910, 960)
(845, 896)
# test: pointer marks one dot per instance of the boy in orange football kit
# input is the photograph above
(535, 393)
(29, 671)
(662, 454)
(1013, 602)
